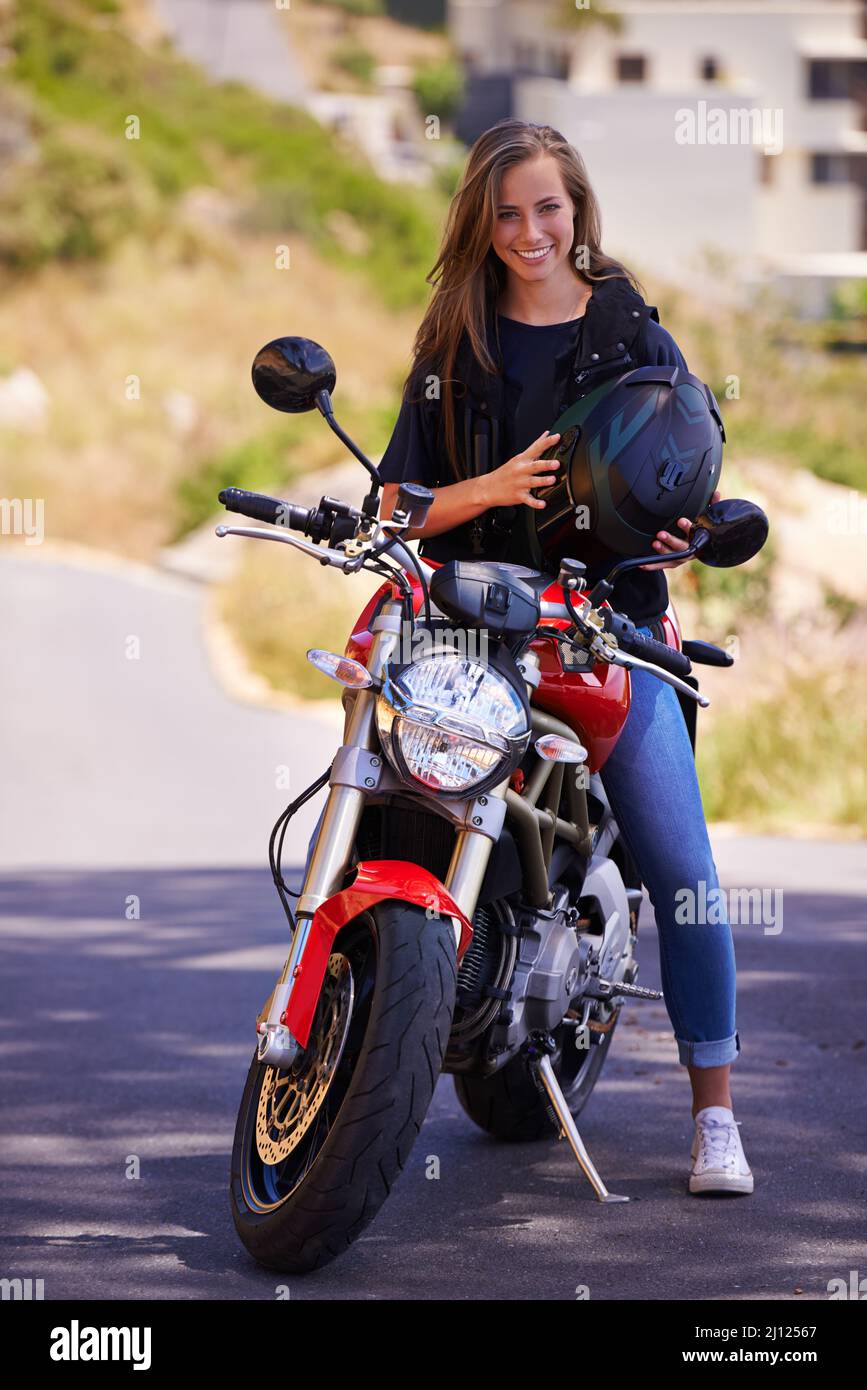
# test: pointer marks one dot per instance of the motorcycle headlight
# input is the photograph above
(454, 725)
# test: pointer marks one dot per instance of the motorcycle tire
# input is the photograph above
(297, 1213)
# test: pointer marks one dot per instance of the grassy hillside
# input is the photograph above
(155, 263)
(79, 81)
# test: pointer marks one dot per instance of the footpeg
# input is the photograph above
(608, 989)
(538, 1049)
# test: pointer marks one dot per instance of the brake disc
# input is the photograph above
(291, 1098)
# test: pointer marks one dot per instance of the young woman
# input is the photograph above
(526, 316)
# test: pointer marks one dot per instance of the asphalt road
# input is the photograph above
(126, 1038)
(120, 746)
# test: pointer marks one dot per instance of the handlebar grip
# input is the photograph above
(252, 504)
(671, 660)
(706, 654)
(261, 508)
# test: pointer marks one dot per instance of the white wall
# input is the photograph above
(662, 203)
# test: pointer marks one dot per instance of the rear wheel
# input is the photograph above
(508, 1104)
(319, 1146)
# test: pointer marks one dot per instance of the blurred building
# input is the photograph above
(715, 131)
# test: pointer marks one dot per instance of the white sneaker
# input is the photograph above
(718, 1160)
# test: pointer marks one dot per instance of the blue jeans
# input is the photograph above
(651, 784)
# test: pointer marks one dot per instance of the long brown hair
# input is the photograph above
(468, 276)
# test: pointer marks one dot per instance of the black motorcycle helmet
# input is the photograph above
(635, 454)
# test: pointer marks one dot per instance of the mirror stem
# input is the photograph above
(603, 587)
(370, 505)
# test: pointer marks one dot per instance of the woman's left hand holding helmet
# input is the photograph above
(667, 543)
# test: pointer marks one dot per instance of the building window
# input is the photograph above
(835, 79)
(709, 70)
(830, 168)
(526, 57)
(631, 67)
(558, 63)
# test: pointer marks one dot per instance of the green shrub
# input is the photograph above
(843, 608)
(354, 58)
(354, 7)
(447, 173)
(438, 88)
(849, 300)
(74, 201)
(836, 457)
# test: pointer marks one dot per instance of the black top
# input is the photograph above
(530, 407)
(529, 352)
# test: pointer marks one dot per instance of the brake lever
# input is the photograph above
(628, 661)
(322, 552)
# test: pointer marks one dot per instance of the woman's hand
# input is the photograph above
(510, 484)
(666, 543)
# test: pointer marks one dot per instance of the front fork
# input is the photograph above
(330, 858)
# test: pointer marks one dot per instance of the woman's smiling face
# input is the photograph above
(533, 220)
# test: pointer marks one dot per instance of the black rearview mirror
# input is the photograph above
(729, 533)
(289, 374)
(296, 374)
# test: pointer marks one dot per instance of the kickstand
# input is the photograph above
(538, 1049)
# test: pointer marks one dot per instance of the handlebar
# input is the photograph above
(332, 519)
(628, 640)
(261, 508)
(313, 521)
(659, 654)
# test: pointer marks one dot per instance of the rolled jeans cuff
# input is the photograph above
(709, 1054)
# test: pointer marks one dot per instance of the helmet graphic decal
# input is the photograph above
(619, 435)
(692, 414)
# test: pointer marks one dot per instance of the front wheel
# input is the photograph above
(318, 1146)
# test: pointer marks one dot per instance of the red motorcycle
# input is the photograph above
(468, 904)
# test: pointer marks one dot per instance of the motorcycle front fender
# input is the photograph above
(375, 880)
